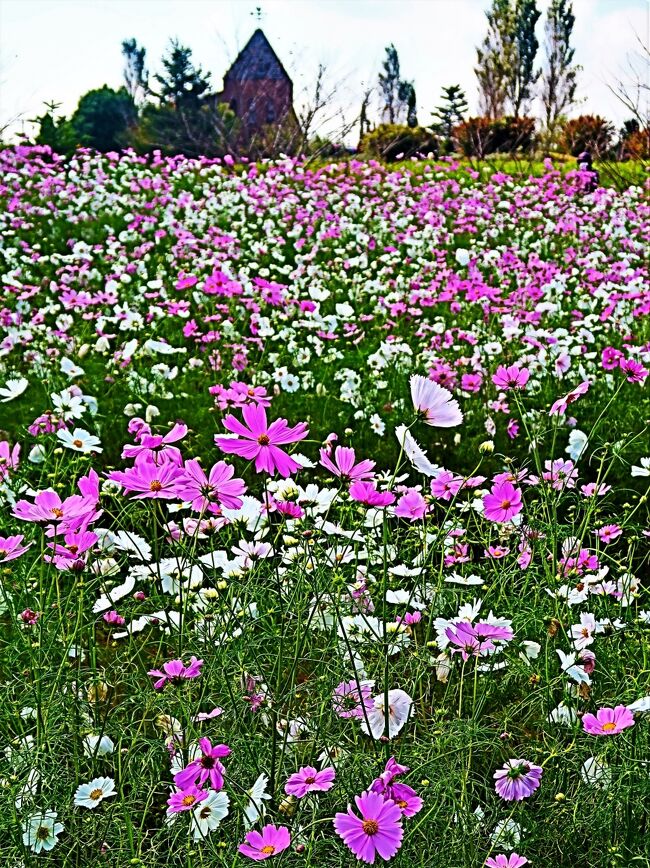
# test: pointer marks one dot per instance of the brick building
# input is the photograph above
(259, 91)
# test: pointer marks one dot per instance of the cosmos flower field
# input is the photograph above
(324, 515)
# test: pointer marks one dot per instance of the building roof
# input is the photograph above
(256, 61)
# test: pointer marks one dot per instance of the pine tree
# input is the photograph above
(450, 112)
(183, 85)
(559, 81)
(408, 98)
(523, 74)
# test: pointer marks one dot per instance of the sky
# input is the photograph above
(56, 50)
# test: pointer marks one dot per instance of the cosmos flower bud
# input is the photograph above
(486, 447)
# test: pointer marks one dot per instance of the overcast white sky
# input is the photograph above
(59, 49)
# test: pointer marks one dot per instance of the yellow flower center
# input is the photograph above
(268, 849)
(96, 794)
(370, 827)
(188, 800)
(608, 727)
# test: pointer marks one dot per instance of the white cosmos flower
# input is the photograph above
(12, 389)
(79, 440)
(574, 670)
(208, 814)
(564, 715)
(98, 745)
(636, 470)
(640, 705)
(29, 789)
(577, 444)
(255, 808)
(596, 773)
(90, 795)
(41, 831)
(399, 708)
(414, 452)
(68, 406)
(434, 404)
(68, 367)
(462, 256)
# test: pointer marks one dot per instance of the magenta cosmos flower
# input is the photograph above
(11, 547)
(156, 481)
(471, 640)
(261, 441)
(434, 404)
(512, 377)
(517, 780)
(210, 492)
(411, 506)
(503, 502)
(387, 785)
(514, 860)
(185, 800)
(175, 672)
(269, 842)
(559, 408)
(366, 493)
(207, 767)
(608, 721)
(377, 831)
(309, 780)
(344, 465)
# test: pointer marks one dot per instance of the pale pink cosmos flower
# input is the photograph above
(503, 502)
(310, 780)
(399, 709)
(446, 485)
(261, 441)
(350, 698)
(583, 633)
(434, 404)
(609, 532)
(344, 464)
(608, 721)
(9, 458)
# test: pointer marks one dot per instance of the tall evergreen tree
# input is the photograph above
(136, 77)
(408, 98)
(559, 78)
(523, 74)
(389, 85)
(495, 59)
(182, 85)
(102, 119)
(450, 112)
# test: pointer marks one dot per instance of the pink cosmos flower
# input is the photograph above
(366, 493)
(608, 721)
(70, 553)
(154, 445)
(434, 404)
(559, 408)
(609, 532)
(153, 481)
(175, 672)
(185, 800)
(208, 493)
(350, 698)
(634, 372)
(514, 860)
(517, 780)
(405, 797)
(206, 768)
(411, 506)
(269, 842)
(261, 441)
(9, 458)
(503, 502)
(309, 780)
(68, 514)
(471, 640)
(378, 831)
(344, 465)
(512, 377)
(11, 547)
(446, 485)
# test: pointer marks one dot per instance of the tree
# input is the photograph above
(54, 131)
(408, 98)
(522, 73)
(183, 85)
(136, 77)
(450, 112)
(496, 59)
(102, 119)
(559, 78)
